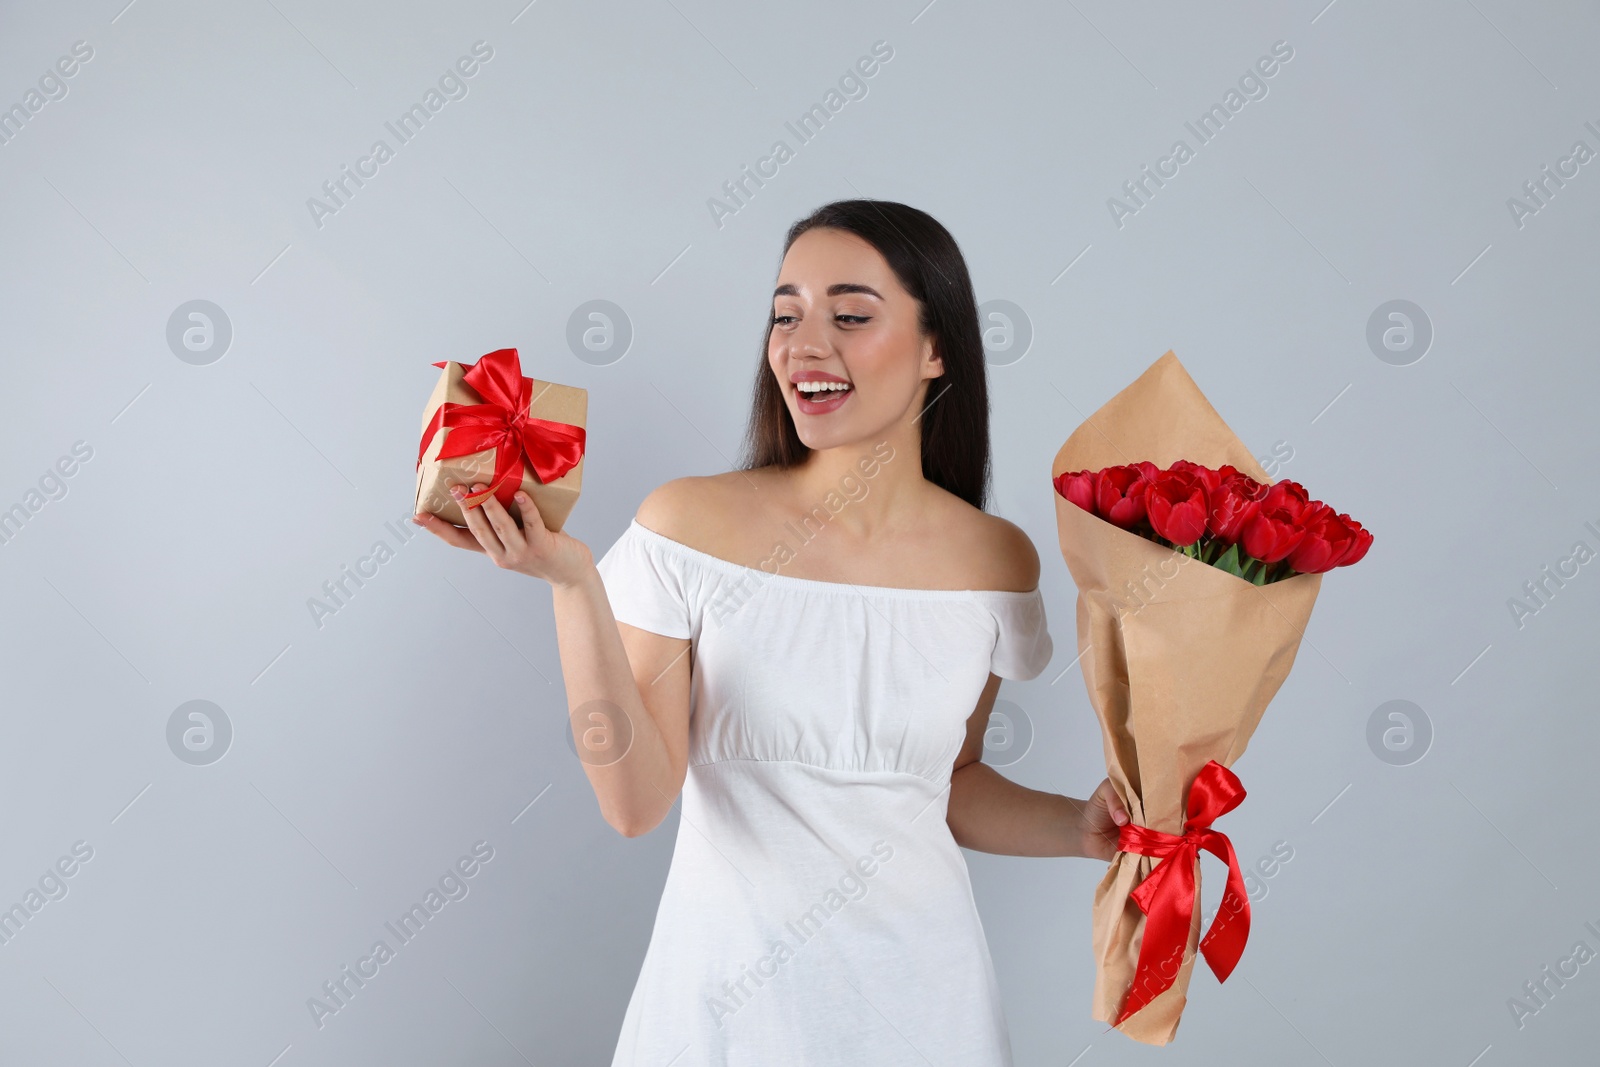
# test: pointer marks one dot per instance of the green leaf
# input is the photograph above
(1229, 561)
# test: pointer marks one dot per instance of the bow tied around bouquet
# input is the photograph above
(1169, 894)
(1196, 578)
(487, 423)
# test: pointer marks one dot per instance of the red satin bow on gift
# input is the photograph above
(502, 422)
(1169, 895)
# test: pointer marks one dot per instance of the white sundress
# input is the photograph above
(817, 911)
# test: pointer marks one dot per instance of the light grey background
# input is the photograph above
(371, 752)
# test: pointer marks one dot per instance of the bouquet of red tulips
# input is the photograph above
(1161, 512)
(1221, 516)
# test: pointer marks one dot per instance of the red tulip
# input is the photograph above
(1361, 541)
(1078, 487)
(1234, 502)
(1228, 472)
(1274, 531)
(1290, 496)
(1208, 477)
(1278, 528)
(1120, 494)
(1176, 502)
(1328, 539)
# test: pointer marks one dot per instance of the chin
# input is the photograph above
(840, 429)
(839, 436)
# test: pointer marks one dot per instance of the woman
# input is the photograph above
(808, 649)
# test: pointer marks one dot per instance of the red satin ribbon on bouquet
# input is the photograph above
(502, 422)
(1169, 895)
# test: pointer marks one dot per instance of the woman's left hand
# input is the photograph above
(1103, 815)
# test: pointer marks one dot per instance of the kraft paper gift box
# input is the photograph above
(522, 425)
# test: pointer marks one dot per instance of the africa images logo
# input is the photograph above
(852, 885)
(340, 189)
(453, 885)
(1252, 85)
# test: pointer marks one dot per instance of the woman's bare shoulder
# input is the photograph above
(670, 509)
(690, 510)
(1013, 552)
(1002, 555)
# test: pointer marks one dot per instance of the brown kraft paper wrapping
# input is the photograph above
(1180, 659)
(558, 403)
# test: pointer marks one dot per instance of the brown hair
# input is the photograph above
(929, 265)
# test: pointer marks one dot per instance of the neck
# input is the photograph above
(871, 486)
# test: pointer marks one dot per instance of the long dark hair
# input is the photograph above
(955, 418)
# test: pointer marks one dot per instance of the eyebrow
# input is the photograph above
(837, 289)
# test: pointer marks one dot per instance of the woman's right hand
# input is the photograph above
(558, 558)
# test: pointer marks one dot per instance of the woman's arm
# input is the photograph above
(990, 813)
(628, 705)
(627, 688)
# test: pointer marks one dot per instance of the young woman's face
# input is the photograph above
(840, 316)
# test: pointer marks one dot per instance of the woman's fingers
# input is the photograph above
(531, 549)
(530, 513)
(477, 523)
(537, 541)
(447, 532)
(1114, 805)
(505, 527)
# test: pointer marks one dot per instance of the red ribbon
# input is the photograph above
(502, 422)
(1169, 895)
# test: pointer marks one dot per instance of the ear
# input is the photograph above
(932, 360)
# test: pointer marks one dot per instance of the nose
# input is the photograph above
(806, 340)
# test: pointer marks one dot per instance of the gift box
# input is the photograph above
(487, 423)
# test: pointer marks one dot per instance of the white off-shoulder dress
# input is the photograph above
(817, 911)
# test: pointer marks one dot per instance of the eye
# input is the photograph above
(854, 320)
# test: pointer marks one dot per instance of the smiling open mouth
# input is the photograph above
(816, 398)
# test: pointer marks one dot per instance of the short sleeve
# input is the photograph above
(646, 585)
(1022, 646)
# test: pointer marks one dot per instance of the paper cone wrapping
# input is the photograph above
(558, 403)
(1180, 658)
